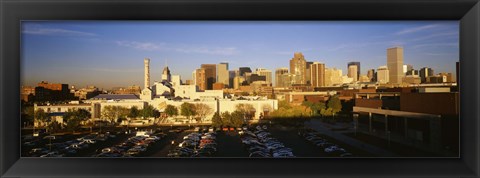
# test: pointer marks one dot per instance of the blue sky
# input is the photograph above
(110, 53)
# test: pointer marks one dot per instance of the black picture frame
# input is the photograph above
(14, 11)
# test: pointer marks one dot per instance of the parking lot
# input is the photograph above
(254, 141)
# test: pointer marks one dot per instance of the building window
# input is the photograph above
(59, 109)
(48, 109)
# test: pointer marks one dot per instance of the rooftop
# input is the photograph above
(116, 97)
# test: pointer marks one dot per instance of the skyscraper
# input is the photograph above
(353, 72)
(265, 72)
(383, 75)
(237, 81)
(424, 73)
(244, 70)
(298, 66)
(358, 70)
(278, 76)
(231, 76)
(200, 79)
(223, 74)
(307, 71)
(395, 64)
(371, 75)
(146, 63)
(333, 76)
(210, 74)
(317, 74)
(406, 68)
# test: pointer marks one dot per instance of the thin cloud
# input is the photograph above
(56, 31)
(288, 52)
(139, 45)
(207, 50)
(436, 35)
(149, 46)
(416, 29)
(111, 70)
(439, 54)
(429, 45)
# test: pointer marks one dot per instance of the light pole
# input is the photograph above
(388, 135)
(355, 122)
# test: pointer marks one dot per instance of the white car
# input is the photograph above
(52, 154)
(283, 155)
(90, 141)
(139, 148)
(333, 148)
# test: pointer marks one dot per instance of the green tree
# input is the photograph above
(113, 113)
(237, 119)
(226, 119)
(335, 104)
(314, 107)
(54, 126)
(41, 116)
(284, 104)
(217, 120)
(326, 112)
(148, 111)
(28, 114)
(247, 110)
(187, 110)
(202, 110)
(171, 110)
(134, 112)
(71, 120)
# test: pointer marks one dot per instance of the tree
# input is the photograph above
(217, 120)
(187, 110)
(247, 109)
(334, 104)
(284, 104)
(74, 118)
(28, 114)
(54, 126)
(83, 115)
(226, 119)
(134, 112)
(314, 107)
(112, 113)
(72, 121)
(171, 110)
(202, 110)
(42, 116)
(237, 119)
(148, 111)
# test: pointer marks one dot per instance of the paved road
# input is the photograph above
(161, 149)
(318, 126)
(300, 147)
(229, 144)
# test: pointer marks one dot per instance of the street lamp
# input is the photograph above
(388, 135)
(355, 122)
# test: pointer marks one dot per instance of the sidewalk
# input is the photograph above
(318, 126)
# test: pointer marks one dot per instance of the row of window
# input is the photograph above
(60, 109)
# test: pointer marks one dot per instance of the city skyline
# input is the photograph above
(105, 55)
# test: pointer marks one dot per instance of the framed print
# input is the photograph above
(239, 88)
